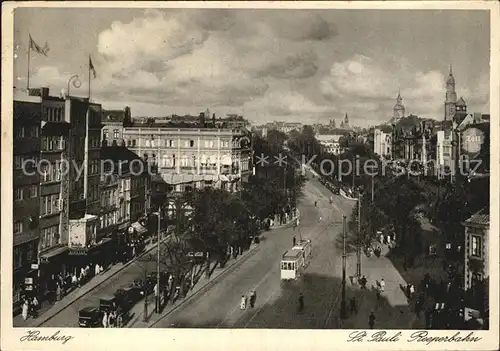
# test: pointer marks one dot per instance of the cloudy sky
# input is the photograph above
(293, 65)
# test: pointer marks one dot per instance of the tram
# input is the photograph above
(295, 260)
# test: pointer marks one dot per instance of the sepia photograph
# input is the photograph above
(209, 167)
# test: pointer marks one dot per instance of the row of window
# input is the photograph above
(28, 163)
(94, 142)
(53, 143)
(24, 253)
(93, 192)
(476, 246)
(49, 237)
(105, 134)
(108, 219)
(207, 144)
(51, 173)
(94, 167)
(25, 192)
(107, 197)
(53, 114)
(50, 204)
(26, 132)
(136, 207)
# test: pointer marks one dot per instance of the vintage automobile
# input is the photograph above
(90, 317)
(129, 295)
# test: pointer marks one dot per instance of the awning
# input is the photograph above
(139, 228)
(53, 252)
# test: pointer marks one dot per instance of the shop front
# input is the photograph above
(92, 254)
(136, 239)
(52, 263)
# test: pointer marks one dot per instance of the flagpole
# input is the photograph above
(29, 56)
(89, 78)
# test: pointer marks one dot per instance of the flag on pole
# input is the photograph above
(35, 47)
(91, 67)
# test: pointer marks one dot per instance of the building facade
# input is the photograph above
(382, 143)
(26, 196)
(331, 143)
(194, 157)
(476, 274)
(112, 125)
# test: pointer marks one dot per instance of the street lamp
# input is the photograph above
(75, 82)
(358, 251)
(157, 292)
(343, 307)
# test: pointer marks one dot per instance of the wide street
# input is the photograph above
(276, 305)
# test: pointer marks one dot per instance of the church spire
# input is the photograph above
(451, 70)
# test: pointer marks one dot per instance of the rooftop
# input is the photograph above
(481, 218)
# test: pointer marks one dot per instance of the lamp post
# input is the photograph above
(343, 307)
(358, 251)
(157, 292)
(76, 82)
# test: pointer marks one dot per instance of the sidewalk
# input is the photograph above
(392, 311)
(47, 311)
(201, 285)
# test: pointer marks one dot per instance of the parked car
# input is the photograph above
(90, 317)
(129, 295)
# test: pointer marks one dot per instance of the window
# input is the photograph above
(18, 193)
(18, 227)
(19, 133)
(191, 143)
(35, 132)
(105, 133)
(147, 142)
(33, 191)
(476, 246)
(116, 133)
(170, 143)
(18, 162)
(17, 257)
(49, 237)
(133, 142)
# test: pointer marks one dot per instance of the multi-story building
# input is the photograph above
(476, 274)
(124, 180)
(26, 195)
(112, 125)
(194, 157)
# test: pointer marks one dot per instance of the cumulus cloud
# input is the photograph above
(365, 85)
(297, 65)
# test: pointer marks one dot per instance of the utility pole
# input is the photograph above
(158, 265)
(358, 251)
(343, 307)
(353, 172)
(145, 314)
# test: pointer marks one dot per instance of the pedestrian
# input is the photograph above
(25, 310)
(388, 240)
(378, 293)
(353, 305)
(371, 320)
(34, 307)
(294, 241)
(253, 298)
(315, 203)
(111, 319)
(74, 280)
(119, 317)
(320, 218)
(96, 269)
(382, 285)
(412, 290)
(243, 304)
(301, 302)
(381, 238)
(418, 307)
(363, 282)
(105, 320)
(58, 291)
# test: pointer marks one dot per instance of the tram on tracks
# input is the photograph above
(295, 260)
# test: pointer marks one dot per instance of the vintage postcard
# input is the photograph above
(250, 175)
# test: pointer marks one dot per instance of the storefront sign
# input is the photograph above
(78, 251)
(34, 266)
(28, 280)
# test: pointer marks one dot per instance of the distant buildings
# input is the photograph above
(331, 143)
(284, 127)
